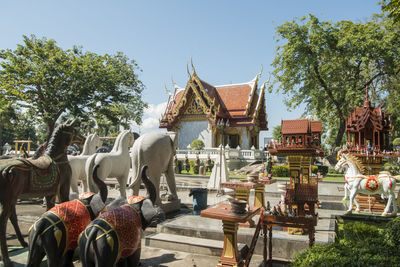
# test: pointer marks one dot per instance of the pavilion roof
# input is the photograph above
(369, 116)
(301, 126)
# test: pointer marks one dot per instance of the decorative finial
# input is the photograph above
(187, 68)
(269, 78)
(191, 62)
(366, 102)
(172, 79)
(167, 90)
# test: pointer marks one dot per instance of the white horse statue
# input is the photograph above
(356, 183)
(116, 164)
(77, 163)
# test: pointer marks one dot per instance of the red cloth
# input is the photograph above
(135, 199)
(127, 224)
(75, 217)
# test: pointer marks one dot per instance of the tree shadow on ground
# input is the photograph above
(158, 261)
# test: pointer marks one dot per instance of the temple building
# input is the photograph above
(234, 112)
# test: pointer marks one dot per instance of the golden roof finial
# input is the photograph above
(191, 62)
(187, 68)
(167, 90)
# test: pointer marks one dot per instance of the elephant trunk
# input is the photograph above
(100, 184)
(151, 189)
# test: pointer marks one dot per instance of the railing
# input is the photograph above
(230, 153)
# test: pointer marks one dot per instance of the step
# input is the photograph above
(190, 244)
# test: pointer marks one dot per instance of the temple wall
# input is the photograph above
(191, 130)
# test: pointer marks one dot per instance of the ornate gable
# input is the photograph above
(241, 104)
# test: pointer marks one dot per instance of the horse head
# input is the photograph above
(342, 161)
(126, 140)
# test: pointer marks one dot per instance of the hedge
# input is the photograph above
(358, 244)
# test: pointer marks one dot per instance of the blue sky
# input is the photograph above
(228, 40)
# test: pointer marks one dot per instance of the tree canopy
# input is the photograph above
(327, 66)
(49, 81)
(276, 132)
(393, 8)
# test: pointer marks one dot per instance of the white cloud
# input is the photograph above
(151, 118)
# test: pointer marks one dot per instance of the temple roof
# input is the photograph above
(301, 126)
(369, 116)
(243, 104)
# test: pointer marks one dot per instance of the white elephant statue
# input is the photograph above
(157, 151)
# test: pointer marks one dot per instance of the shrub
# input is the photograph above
(180, 166)
(358, 244)
(197, 144)
(193, 168)
(332, 170)
(280, 171)
(323, 170)
(210, 167)
(393, 232)
(396, 142)
(314, 169)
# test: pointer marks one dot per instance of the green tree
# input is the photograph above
(197, 144)
(327, 66)
(393, 8)
(7, 116)
(276, 132)
(51, 81)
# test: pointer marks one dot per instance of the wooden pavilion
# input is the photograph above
(301, 141)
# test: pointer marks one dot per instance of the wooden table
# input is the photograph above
(230, 254)
(269, 221)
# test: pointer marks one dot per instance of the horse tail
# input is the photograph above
(89, 172)
(137, 157)
(397, 178)
(100, 184)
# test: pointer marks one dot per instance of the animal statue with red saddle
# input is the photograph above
(115, 236)
(56, 233)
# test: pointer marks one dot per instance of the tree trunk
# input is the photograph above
(342, 128)
(1, 137)
(50, 129)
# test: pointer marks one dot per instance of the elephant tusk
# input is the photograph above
(58, 235)
(110, 242)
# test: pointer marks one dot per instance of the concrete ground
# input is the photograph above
(29, 212)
